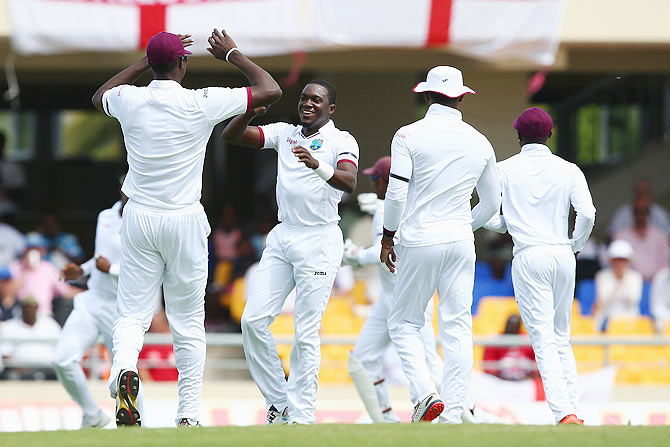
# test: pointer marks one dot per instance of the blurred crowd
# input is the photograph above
(625, 275)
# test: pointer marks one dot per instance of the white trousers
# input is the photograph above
(307, 259)
(374, 340)
(91, 317)
(168, 249)
(544, 283)
(449, 268)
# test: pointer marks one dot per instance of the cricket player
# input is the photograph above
(436, 163)
(93, 315)
(537, 191)
(316, 162)
(365, 361)
(164, 233)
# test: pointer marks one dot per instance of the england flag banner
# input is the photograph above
(491, 30)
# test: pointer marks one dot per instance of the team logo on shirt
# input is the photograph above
(316, 145)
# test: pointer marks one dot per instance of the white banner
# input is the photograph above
(493, 30)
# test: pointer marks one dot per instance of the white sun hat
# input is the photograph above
(620, 249)
(447, 81)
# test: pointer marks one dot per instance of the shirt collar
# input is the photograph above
(535, 147)
(440, 110)
(323, 129)
(164, 83)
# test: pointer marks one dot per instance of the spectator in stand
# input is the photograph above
(12, 242)
(157, 362)
(618, 288)
(62, 247)
(37, 278)
(659, 300)
(226, 239)
(511, 362)
(265, 224)
(29, 358)
(651, 246)
(625, 217)
(9, 306)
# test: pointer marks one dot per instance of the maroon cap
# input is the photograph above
(381, 169)
(164, 48)
(534, 124)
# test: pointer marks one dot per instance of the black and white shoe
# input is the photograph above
(277, 417)
(188, 422)
(127, 388)
(428, 409)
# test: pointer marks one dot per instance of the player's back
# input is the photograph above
(166, 129)
(537, 188)
(448, 157)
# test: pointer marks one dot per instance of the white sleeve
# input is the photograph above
(347, 152)
(114, 100)
(401, 173)
(271, 134)
(88, 266)
(581, 200)
(488, 190)
(221, 103)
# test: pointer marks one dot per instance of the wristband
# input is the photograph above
(388, 233)
(386, 247)
(230, 51)
(325, 171)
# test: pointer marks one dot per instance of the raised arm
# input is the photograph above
(239, 132)
(130, 74)
(342, 178)
(264, 89)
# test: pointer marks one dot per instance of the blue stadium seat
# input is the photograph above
(490, 287)
(644, 301)
(586, 294)
(482, 271)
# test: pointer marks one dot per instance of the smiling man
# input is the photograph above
(316, 162)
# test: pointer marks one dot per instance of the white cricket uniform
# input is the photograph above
(94, 312)
(537, 190)
(304, 251)
(164, 234)
(374, 338)
(436, 163)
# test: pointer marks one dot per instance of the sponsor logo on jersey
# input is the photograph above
(316, 145)
(319, 273)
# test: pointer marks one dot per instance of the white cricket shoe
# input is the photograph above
(188, 422)
(277, 417)
(428, 409)
(100, 420)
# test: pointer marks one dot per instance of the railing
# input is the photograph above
(235, 340)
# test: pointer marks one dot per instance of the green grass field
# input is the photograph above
(328, 435)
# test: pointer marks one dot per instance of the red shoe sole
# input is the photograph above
(434, 411)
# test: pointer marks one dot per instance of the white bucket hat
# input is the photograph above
(447, 81)
(620, 249)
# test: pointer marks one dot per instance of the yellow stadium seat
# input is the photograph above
(630, 326)
(581, 325)
(283, 325)
(492, 314)
(237, 300)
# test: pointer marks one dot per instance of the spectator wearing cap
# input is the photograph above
(619, 287)
(642, 194)
(33, 276)
(651, 246)
(29, 358)
(9, 307)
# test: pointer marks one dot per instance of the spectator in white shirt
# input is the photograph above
(659, 300)
(625, 218)
(12, 243)
(618, 288)
(30, 357)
